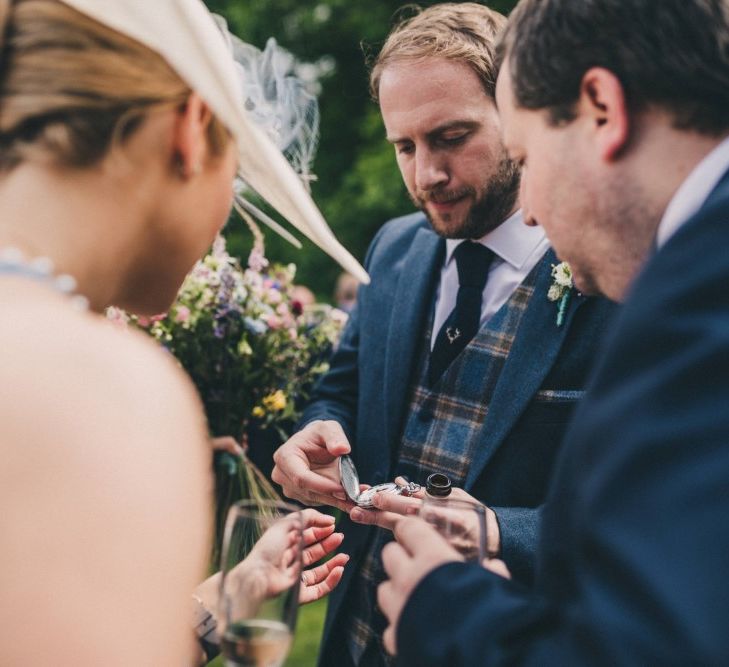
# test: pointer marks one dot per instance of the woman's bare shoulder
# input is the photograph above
(61, 360)
(106, 482)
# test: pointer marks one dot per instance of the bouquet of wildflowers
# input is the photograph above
(252, 351)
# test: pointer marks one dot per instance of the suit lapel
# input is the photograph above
(411, 305)
(533, 352)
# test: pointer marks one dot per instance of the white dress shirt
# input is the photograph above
(517, 249)
(693, 192)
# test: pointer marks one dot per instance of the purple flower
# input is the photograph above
(256, 261)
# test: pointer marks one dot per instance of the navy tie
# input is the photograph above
(473, 261)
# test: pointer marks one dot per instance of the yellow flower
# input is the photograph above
(258, 412)
(276, 401)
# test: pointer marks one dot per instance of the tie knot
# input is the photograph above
(472, 261)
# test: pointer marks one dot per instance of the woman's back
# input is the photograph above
(103, 486)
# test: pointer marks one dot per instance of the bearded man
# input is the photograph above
(454, 359)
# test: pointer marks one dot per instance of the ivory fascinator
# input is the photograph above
(186, 35)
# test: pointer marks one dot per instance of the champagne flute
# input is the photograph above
(461, 522)
(259, 589)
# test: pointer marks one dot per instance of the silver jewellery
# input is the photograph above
(14, 263)
(453, 334)
(350, 482)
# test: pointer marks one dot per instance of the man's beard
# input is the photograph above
(486, 213)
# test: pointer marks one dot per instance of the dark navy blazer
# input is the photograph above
(367, 388)
(634, 555)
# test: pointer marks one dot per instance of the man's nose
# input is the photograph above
(430, 171)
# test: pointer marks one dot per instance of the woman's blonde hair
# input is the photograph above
(463, 31)
(71, 87)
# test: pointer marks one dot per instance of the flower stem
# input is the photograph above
(563, 303)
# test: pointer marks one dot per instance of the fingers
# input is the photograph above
(312, 519)
(409, 531)
(317, 551)
(459, 494)
(306, 465)
(388, 639)
(320, 581)
(402, 505)
(333, 436)
(324, 499)
(392, 594)
(293, 472)
(368, 517)
(497, 567)
(316, 534)
(316, 575)
(386, 596)
(418, 550)
(227, 444)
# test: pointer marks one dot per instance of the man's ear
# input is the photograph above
(189, 140)
(602, 99)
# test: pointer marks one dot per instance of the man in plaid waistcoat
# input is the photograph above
(493, 417)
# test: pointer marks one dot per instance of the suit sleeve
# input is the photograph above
(633, 552)
(336, 395)
(519, 533)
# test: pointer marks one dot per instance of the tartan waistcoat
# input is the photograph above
(443, 426)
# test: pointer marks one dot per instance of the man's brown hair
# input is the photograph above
(463, 31)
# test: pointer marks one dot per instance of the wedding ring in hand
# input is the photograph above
(461, 522)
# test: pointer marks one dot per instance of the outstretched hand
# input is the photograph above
(320, 540)
(272, 567)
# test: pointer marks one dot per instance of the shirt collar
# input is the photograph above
(512, 241)
(694, 191)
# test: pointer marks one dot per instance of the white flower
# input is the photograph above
(555, 293)
(562, 274)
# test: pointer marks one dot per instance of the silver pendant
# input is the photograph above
(350, 482)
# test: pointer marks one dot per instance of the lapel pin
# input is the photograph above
(453, 334)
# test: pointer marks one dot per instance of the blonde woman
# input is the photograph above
(115, 175)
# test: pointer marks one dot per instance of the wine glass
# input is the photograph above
(461, 522)
(259, 589)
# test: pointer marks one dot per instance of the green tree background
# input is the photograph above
(359, 186)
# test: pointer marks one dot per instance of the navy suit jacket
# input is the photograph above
(367, 389)
(634, 555)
